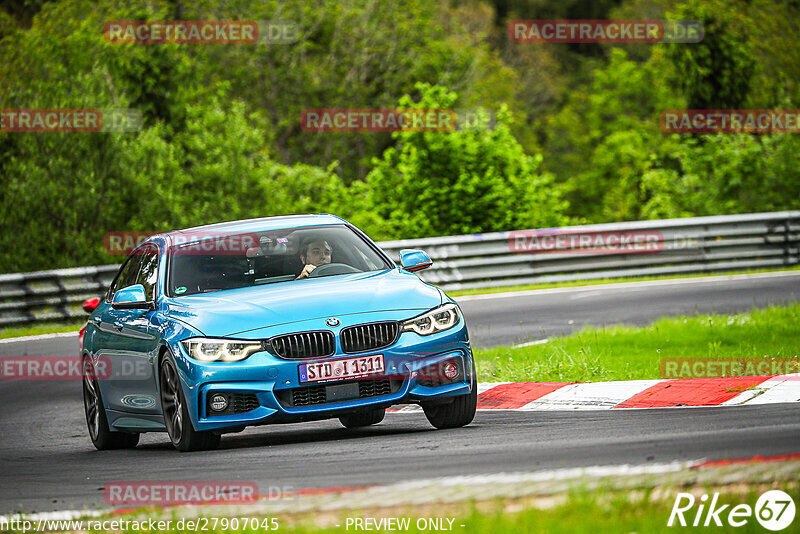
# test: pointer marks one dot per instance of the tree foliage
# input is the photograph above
(717, 72)
(478, 179)
(576, 137)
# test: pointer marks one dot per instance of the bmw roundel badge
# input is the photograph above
(332, 321)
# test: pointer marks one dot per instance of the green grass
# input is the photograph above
(632, 353)
(591, 513)
(603, 281)
(582, 513)
(20, 331)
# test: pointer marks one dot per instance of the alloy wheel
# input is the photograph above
(91, 400)
(171, 401)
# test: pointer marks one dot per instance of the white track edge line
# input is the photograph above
(38, 337)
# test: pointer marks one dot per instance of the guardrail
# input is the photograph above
(639, 248)
(690, 245)
(45, 296)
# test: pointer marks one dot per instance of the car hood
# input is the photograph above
(235, 311)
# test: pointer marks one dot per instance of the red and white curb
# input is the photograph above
(725, 391)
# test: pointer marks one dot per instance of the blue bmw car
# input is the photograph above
(209, 330)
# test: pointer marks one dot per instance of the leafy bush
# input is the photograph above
(474, 180)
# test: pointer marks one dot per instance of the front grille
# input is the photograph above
(303, 345)
(237, 403)
(318, 394)
(371, 336)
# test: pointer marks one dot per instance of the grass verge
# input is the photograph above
(577, 512)
(633, 353)
(21, 331)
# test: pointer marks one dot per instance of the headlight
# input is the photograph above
(437, 320)
(224, 350)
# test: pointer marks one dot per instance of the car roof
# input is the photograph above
(261, 224)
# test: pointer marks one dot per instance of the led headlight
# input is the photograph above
(220, 350)
(437, 320)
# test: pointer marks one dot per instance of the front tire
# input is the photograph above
(455, 414)
(176, 413)
(101, 435)
(363, 418)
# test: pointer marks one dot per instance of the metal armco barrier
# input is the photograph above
(669, 246)
(640, 248)
(46, 296)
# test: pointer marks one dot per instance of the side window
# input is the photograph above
(127, 275)
(148, 274)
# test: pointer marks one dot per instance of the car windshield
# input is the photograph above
(214, 262)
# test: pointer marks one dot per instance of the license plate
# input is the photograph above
(341, 369)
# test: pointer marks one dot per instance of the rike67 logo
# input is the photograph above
(774, 510)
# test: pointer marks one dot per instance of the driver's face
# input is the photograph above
(319, 253)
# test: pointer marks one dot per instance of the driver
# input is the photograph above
(313, 253)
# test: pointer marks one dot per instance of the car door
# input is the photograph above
(104, 330)
(130, 343)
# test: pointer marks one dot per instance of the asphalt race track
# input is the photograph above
(48, 463)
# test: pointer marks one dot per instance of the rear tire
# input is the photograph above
(99, 432)
(455, 414)
(176, 414)
(369, 417)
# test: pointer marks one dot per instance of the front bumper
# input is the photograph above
(273, 382)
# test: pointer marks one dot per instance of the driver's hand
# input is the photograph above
(306, 271)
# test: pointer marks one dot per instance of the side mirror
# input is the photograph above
(89, 305)
(131, 298)
(414, 260)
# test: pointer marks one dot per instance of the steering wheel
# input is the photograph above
(328, 269)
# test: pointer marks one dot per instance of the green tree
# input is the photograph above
(474, 180)
(607, 137)
(716, 73)
(350, 54)
(202, 156)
